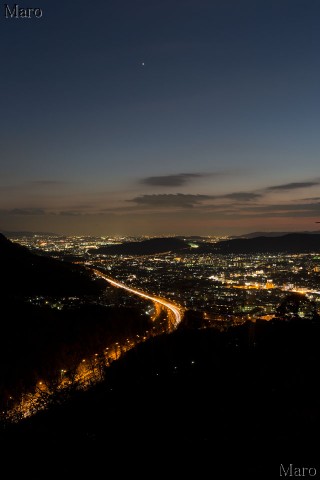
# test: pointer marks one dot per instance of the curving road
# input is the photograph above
(177, 312)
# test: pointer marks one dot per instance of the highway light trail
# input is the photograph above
(31, 403)
(177, 312)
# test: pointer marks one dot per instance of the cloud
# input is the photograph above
(242, 196)
(170, 200)
(81, 206)
(293, 186)
(70, 213)
(181, 200)
(285, 210)
(26, 211)
(171, 180)
(287, 206)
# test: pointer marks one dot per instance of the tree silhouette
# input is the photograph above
(295, 305)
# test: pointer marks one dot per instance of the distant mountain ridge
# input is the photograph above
(288, 243)
(145, 247)
(272, 234)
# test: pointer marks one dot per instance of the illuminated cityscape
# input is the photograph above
(227, 288)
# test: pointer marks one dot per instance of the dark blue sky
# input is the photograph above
(132, 117)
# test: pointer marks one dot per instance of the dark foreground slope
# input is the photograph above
(24, 273)
(52, 315)
(235, 403)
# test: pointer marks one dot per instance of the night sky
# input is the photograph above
(161, 117)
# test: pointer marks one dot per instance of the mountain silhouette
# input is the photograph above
(290, 243)
(146, 247)
(24, 273)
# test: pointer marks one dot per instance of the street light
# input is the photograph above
(116, 350)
